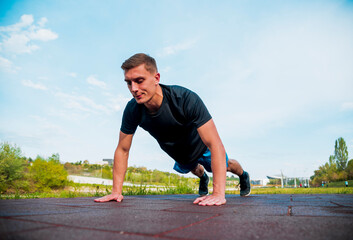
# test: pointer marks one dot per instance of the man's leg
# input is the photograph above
(234, 167)
(198, 171)
(201, 173)
(244, 178)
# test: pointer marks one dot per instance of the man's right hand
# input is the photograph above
(111, 197)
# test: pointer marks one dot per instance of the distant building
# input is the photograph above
(261, 182)
(290, 181)
(110, 161)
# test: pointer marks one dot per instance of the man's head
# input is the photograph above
(139, 59)
(142, 77)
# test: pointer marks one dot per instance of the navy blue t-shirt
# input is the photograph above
(175, 124)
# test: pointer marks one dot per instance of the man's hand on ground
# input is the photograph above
(210, 200)
(114, 196)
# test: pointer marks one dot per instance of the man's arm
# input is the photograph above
(121, 156)
(211, 139)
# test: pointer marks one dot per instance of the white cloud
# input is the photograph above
(90, 103)
(43, 35)
(42, 21)
(18, 38)
(19, 43)
(7, 66)
(174, 49)
(72, 74)
(46, 124)
(82, 103)
(29, 83)
(95, 82)
(67, 114)
(90, 106)
(26, 20)
(117, 103)
(347, 106)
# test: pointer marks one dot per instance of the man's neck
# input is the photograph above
(156, 102)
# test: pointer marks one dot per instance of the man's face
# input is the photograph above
(141, 83)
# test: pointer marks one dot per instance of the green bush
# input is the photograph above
(48, 174)
(107, 172)
(11, 166)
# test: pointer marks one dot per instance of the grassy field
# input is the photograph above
(87, 190)
(331, 190)
(340, 184)
(94, 190)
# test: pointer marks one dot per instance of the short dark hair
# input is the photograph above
(138, 59)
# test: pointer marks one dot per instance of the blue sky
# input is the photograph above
(277, 76)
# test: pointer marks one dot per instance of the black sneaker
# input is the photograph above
(245, 187)
(203, 187)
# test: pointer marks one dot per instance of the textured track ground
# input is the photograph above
(175, 217)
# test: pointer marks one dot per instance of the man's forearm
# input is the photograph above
(219, 170)
(119, 170)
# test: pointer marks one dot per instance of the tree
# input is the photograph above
(48, 174)
(11, 165)
(332, 162)
(78, 163)
(341, 154)
(327, 172)
(349, 169)
(55, 158)
(336, 168)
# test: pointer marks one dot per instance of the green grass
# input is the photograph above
(95, 190)
(321, 190)
(340, 184)
(76, 190)
(143, 190)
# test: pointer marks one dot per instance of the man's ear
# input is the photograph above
(157, 77)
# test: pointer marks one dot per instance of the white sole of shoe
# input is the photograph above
(246, 194)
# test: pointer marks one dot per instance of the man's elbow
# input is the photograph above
(217, 147)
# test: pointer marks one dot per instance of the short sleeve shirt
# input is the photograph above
(175, 124)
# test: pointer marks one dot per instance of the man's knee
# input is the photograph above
(198, 170)
(232, 164)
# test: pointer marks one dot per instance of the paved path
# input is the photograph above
(175, 217)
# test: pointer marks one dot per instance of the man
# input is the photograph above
(180, 122)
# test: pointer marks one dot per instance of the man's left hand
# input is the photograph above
(210, 200)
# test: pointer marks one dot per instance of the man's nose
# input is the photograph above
(134, 86)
